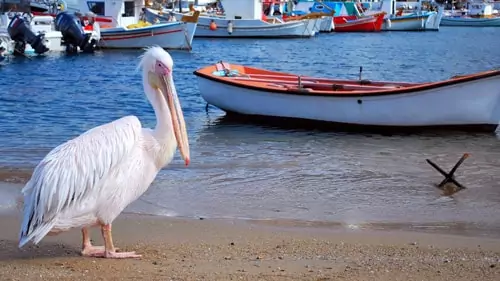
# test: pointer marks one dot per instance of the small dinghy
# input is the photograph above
(468, 102)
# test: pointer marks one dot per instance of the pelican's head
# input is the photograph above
(157, 66)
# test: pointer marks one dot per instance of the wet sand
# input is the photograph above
(190, 249)
(15, 175)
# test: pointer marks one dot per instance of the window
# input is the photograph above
(129, 9)
(96, 7)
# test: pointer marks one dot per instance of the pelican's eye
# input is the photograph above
(161, 68)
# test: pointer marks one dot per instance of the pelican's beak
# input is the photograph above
(166, 86)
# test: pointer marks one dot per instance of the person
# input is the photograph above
(142, 14)
(88, 23)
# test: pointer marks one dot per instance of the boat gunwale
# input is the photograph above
(267, 25)
(123, 29)
(419, 87)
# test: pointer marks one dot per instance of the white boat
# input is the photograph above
(39, 25)
(39, 30)
(243, 19)
(45, 25)
(469, 102)
(477, 15)
(419, 21)
(129, 31)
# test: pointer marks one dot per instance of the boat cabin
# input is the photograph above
(122, 12)
(42, 24)
(480, 9)
(242, 9)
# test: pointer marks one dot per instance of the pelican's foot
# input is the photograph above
(94, 251)
(121, 255)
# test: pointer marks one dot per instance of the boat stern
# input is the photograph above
(434, 20)
(190, 25)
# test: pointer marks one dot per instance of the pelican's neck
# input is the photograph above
(164, 129)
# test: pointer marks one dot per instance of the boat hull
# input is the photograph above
(176, 35)
(355, 24)
(427, 21)
(434, 20)
(297, 29)
(52, 40)
(246, 28)
(471, 22)
(471, 105)
(404, 24)
(327, 24)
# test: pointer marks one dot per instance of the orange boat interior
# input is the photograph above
(278, 81)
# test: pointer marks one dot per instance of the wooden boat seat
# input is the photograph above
(339, 87)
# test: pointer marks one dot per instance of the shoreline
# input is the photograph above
(193, 249)
(15, 175)
(459, 228)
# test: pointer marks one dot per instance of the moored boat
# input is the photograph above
(130, 31)
(40, 33)
(478, 15)
(324, 24)
(415, 20)
(371, 23)
(285, 11)
(242, 19)
(470, 21)
(468, 102)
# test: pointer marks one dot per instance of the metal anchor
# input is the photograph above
(449, 177)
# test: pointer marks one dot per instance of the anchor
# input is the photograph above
(449, 177)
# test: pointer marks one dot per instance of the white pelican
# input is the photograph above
(89, 180)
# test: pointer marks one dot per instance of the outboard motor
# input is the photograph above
(20, 32)
(73, 34)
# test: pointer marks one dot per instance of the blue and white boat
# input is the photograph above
(477, 15)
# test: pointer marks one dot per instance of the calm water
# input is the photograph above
(249, 171)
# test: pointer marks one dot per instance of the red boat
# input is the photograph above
(372, 23)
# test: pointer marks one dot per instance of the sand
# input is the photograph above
(191, 249)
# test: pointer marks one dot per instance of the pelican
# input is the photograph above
(89, 180)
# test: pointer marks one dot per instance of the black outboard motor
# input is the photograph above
(20, 32)
(74, 36)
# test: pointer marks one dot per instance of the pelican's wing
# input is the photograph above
(72, 172)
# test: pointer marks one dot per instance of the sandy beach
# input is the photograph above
(192, 249)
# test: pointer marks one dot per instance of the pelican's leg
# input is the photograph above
(87, 248)
(110, 251)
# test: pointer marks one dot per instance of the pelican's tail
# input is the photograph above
(36, 235)
(32, 228)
